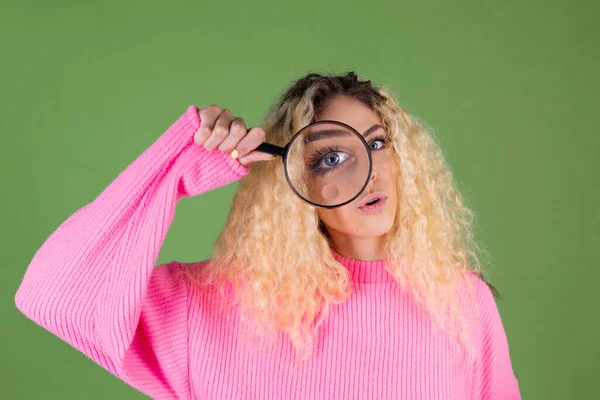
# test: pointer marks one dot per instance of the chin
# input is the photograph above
(375, 225)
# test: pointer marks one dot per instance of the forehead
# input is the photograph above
(349, 111)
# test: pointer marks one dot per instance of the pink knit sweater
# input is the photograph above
(93, 283)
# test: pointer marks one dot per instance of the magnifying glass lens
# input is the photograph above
(328, 164)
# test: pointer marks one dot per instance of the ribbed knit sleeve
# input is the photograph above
(494, 376)
(93, 282)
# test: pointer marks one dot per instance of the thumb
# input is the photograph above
(255, 156)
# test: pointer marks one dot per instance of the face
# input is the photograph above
(349, 219)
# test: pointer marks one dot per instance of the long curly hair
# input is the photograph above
(274, 256)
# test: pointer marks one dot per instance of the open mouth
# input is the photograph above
(375, 202)
(373, 199)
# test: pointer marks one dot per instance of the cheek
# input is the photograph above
(390, 162)
(384, 160)
(390, 169)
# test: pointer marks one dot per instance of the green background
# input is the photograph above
(509, 88)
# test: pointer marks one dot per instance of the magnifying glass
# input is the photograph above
(327, 163)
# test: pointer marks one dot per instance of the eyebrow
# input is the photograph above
(329, 133)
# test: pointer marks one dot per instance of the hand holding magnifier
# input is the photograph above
(327, 163)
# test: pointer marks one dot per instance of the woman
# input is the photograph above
(352, 304)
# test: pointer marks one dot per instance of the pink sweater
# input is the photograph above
(93, 283)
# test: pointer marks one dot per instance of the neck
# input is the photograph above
(359, 248)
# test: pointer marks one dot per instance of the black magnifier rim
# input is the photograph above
(287, 147)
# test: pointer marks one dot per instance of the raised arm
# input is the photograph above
(93, 282)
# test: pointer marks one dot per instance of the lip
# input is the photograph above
(371, 197)
(375, 208)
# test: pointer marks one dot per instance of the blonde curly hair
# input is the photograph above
(274, 253)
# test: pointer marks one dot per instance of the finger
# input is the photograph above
(237, 130)
(220, 131)
(251, 141)
(255, 156)
(208, 117)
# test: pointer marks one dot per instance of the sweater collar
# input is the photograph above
(362, 271)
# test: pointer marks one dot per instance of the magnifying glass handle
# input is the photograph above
(271, 149)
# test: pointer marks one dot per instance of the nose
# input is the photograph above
(373, 175)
